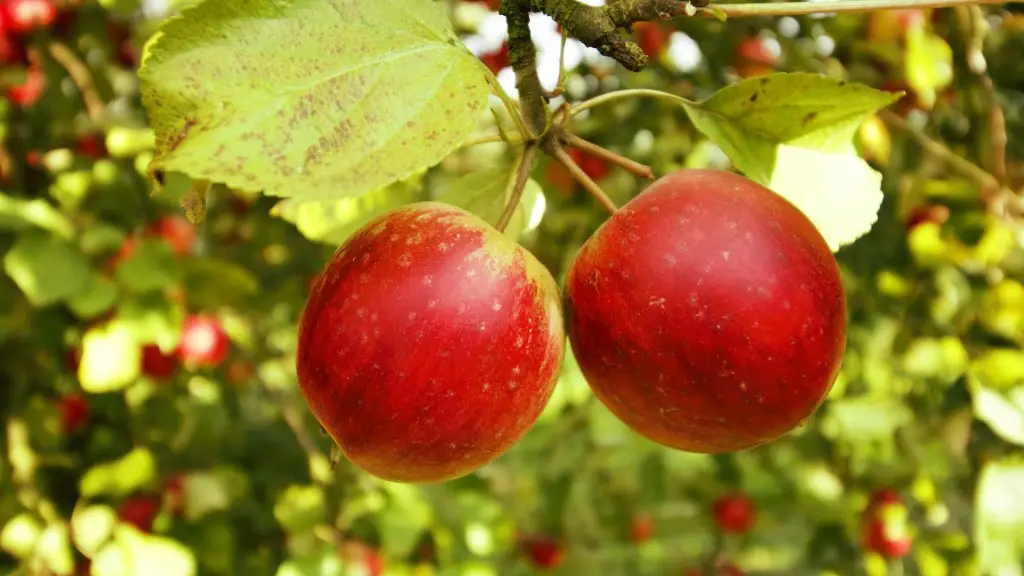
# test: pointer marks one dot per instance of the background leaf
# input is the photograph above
(46, 268)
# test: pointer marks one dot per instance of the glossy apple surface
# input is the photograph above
(708, 313)
(429, 344)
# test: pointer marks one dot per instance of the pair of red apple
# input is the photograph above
(707, 314)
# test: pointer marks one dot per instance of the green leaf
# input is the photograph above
(333, 221)
(205, 492)
(944, 359)
(19, 536)
(54, 548)
(1004, 413)
(300, 508)
(150, 268)
(840, 193)
(486, 192)
(314, 99)
(153, 318)
(794, 133)
(98, 296)
(19, 214)
(92, 527)
(404, 520)
(111, 357)
(865, 418)
(48, 269)
(750, 118)
(213, 282)
(928, 64)
(134, 471)
(133, 552)
(999, 517)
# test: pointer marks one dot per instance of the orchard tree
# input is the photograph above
(353, 287)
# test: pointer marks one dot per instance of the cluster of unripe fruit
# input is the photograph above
(707, 314)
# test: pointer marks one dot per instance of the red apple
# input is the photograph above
(542, 552)
(22, 16)
(203, 342)
(735, 513)
(31, 90)
(753, 58)
(708, 313)
(176, 231)
(74, 412)
(156, 364)
(497, 60)
(139, 511)
(430, 344)
(641, 528)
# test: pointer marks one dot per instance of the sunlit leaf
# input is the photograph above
(999, 517)
(92, 526)
(19, 214)
(133, 553)
(19, 535)
(312, 99)
(134, 471)
(839, 193)
(928, 64)
(111, 357)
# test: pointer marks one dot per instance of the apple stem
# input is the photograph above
(489, 139)
(80, 75)
(641, 170)
(560, 85)
(830, 7)
(518, 185)
(592, 187)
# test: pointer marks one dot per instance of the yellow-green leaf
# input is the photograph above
(314, 99)
(111, 357)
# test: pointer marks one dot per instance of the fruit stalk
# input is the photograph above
(82, 78)
(586, 181)
(641, 170)
(522, 175)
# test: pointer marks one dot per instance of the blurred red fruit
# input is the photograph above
(885, 525)
(593, 166)
(641, 528)
(498, 60)
(22, 16)
(935, 213)
(560, 178)
(139, 511)
(91, 145)
(30, 91)
(203, 342)
(176, 231)
(754, 58)
(156, 364)
(735, 513)
(652, 37)
(11, 50)
(74, 412)
(542, 552)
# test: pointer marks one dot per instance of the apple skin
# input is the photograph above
(74, 412)
(708, 313)
(543, 552)
(158, 365)
(139, 511)
(429, 344)
(23, 16)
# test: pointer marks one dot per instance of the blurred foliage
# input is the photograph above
(121, 457)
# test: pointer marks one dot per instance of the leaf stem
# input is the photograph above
(588, 184)
(522, 175)
(513, 109)
(488, 139)
(641, 170)
(633, 93)
(833, 7)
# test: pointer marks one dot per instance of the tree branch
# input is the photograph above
(522, 54)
